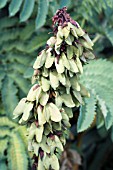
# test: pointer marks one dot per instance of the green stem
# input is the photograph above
(98, 36)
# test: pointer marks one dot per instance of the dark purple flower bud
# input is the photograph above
(74, 23)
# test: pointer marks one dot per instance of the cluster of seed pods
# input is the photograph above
(56, 90)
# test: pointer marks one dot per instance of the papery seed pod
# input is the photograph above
(49, 102)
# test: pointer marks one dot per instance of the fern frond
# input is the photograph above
(27, 10)
(14, 7)
(9, 91)
(4, 131)
(8, 22)
(43, 6)
(3, 3)
(20, 81)
(97, 77)
(17, 157)
(3, 147)
(87, 114)
(5, 121)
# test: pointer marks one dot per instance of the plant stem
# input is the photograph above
(98, 36)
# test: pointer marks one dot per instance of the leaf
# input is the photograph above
(79, 30)
(78, 96)
(44, 98)
(68, 112)
(58, 143)
(96, 81)
(33, 93)
(64, 32)
(67, 100)
(20, 81)
(89, 55)
(31, 131)
(58, 101)
(46, 112)
(73, 66)
(86, 36)
(14, 7)
(40, 164)
(84, 91)
(74, 83)
(28, 73)
(26, 114)
(59, 65)
(51, 41)
(27, 10)
(87, 114)
(54, 112)
(39, 92)
(39, 133)
(41, 116)
(79, 65)
(3, 165)
(19, 108)
(49, 60)
(68, 40)
(62, 79)
(85, 44)
(3, 3)
(69, 52)
(54, 162)
(65, 61)
(42, 13)
(5, 121)
(109, 34)
(45, 72)
(37, 41)
(19, 160)
(54, 79)
(35, 147)
(45, 84)
(40, 60)
(9, 98)
(44, 145)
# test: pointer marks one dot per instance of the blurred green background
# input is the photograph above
(24, 28)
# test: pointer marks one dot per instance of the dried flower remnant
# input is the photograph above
(48, 106)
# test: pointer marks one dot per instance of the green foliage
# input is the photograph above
(14, 7)
(3, 3)
(87, 113)
(9, 92)
(42, 13)
(16, 56)
(27, 10)
(13, 140)
(98, 80)
(19, 160)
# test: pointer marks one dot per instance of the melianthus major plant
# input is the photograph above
(56, 91)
